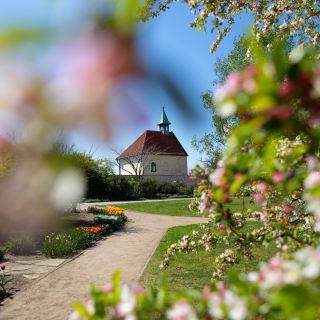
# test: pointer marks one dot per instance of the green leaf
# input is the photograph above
(81, 309)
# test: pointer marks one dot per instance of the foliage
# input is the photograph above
(21, 245)
(96, 171)
(3, 251)
(115, 222)
(119, 188)
(275, 292)
(95, 210)
(122, 188)
(147, 188)
(274, 166)
(278, 107)
(212, 144)
(298, 19)
(64, 244)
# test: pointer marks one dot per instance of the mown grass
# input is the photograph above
(180, 207)
(194, 270)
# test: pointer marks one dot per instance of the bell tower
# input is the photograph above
(164, 123)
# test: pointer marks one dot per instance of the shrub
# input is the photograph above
(21, 246)
(64, 244)
(119, 188)
(147, 188)
(170, 188)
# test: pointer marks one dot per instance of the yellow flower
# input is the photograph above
(114, 210)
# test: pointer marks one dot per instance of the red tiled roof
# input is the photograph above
(155, 142)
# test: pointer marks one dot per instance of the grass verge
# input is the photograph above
(194, 270)
(180, 207)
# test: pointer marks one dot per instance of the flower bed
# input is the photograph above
(64, 244)
(96, 230)
(113, 216)
(114, 210)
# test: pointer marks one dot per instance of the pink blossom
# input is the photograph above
(222, 228)
(285, 248)
(313, 180)
(217, 176)
(230, 87)
(259, 199)
(262, 187)
(249, 85)
(287, 208)
(238, 176)
(275, 261)
(108, 288)
(181, 311)
(286, 89)
(250, 71)
(278, 177)
(127, 304)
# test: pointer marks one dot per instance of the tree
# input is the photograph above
(212, 144)
(96, 171)
(297, 18)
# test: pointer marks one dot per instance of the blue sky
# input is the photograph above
(166, 43)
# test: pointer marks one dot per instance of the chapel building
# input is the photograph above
(155, 154)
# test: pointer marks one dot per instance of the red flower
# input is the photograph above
(2, 267)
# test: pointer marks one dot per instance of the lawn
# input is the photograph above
(178, 207)
(194, 270)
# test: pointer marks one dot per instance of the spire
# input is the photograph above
(164, 122)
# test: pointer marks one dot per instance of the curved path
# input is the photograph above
(130, 249)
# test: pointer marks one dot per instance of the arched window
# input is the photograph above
(153, 167)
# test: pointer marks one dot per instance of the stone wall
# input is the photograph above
(175, 166)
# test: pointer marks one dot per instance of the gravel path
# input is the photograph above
(52, 297)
